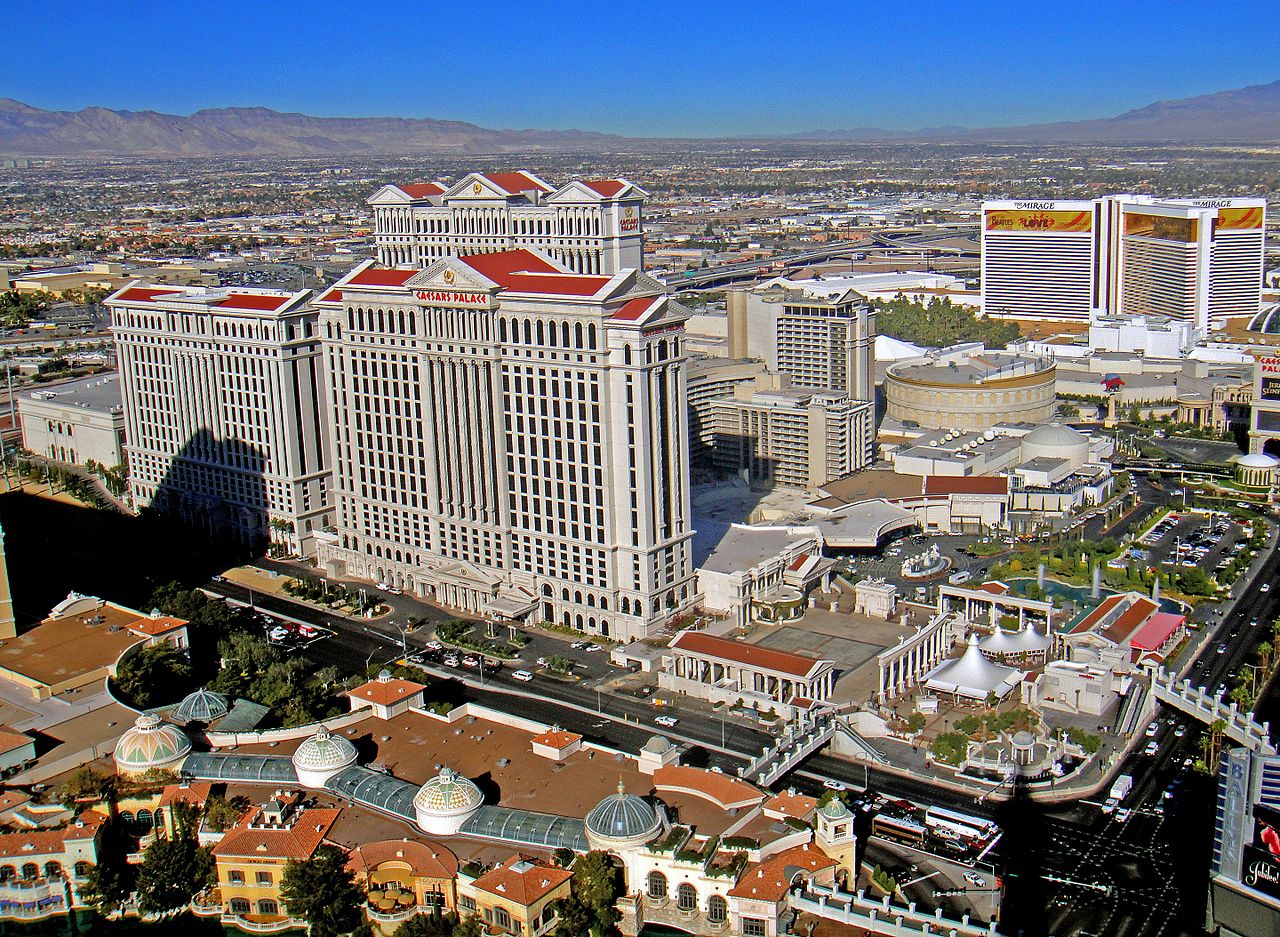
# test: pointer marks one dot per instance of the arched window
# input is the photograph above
(7, 872)
(686, 897)
(541, 336)
(717, 910)
(268, 906)
(626, 354)
(82, 869)
(502, 330)
(144, 817)
(126, 816)
(564, 334)
(239, 906)
(657, 886)
(30, 870)
(591, 336)
(501, 918)
(52, 869)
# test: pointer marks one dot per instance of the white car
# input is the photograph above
(1265, 587)
(667, 721)
(522, 675)
(833, 785)
(1123, 814)
(434, 646)
(383, 586)
(1152, 729)
(278, 634)
(593, 647)
(976, 880)
(395, 591)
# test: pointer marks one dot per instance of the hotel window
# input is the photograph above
(752, 927)
(235, 877)
(264, 878)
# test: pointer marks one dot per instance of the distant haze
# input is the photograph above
(1247, 115)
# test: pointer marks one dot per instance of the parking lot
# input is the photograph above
(1190, 540)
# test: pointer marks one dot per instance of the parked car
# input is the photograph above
(976, 880)
(451, 660)
(434, 646)
(833, 785)
(1152, 729)
(470, 661)
(667, 721)
(278, 634)
(1152, 748)
(383, 586)
(522, 675)
(309, 631)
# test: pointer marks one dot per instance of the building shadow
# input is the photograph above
(215, 489)
(1024, 905)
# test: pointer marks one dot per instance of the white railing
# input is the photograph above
(1208, 708)
(883, 917)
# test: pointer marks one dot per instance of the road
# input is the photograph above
(1071, 869)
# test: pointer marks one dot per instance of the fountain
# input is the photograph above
(924, 565)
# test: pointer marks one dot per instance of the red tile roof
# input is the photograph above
(141, 294)
(751, 655)
(1105, 606)
(388, 692)
(515, 182)
(790, 804)
(298, 841)
(420, 189)
(195, 793)
(1122, 629)
(770, 880)
(995, 588)
(606, 187)
(633, 309)
(726, 792)
(798, 562)
(49, 842)
(556, 738)
(965, 485)
(333, 296)
(11, 738)
(555, 284)
(154, 626)
(502, 264)
(1158, 629)
(268, 303)
(427, 859)
(381, 276)
(523, 887)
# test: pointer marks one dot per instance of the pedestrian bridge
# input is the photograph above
(791, 748)
(1196, 702)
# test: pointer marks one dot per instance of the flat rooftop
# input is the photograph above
(100, 393)
(877, 483)
(61, 649)
(734, 549)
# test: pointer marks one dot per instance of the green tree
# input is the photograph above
(428, 925)
(322, 891)
(110, 882)
(172, 872)
(221, 814)
(470, 926)
(153, 675)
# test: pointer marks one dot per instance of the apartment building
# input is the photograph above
(225, 409)
(514, 441)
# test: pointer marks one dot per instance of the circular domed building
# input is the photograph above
(970, 392)
(1256, 471)
(201, 706)
(1055, 441)
(151, 743)
(321, 757)
(622, 821)
(445, 803)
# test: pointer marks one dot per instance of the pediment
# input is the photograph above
(449, 273)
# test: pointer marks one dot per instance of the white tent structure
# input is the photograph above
(1025, 644)
(972, 676)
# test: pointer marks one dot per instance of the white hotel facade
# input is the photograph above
(513, 440)
(225, 409)
(1198, 261)
(589, 226)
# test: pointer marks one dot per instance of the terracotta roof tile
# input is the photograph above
(770, 880)
(720, 789)
(426, 858)
(749, 654)
(421, 189)
(556, 738)
(298, 841)
(49, 842)
(195, 793)
(524, 886)
(388, 692)
(606, 187)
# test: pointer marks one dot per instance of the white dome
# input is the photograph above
(1055, 435)
(1258, 460)
(150, 743)
(322, 756)
(445, 802)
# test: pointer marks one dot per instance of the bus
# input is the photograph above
(947, 824)
(898, 830)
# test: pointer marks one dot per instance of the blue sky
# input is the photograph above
(646, 68)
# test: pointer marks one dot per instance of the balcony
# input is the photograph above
(207, 903)
(32, 899)
(258, 924)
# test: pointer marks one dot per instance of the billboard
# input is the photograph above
(1160, 226)
(1269, 378)
(1261, 870)
(1039, 221)
(1239, 219)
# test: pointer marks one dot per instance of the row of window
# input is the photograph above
(717, 908)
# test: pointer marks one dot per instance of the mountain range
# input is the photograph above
(1243, 115)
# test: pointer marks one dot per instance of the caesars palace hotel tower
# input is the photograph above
(510, 438)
